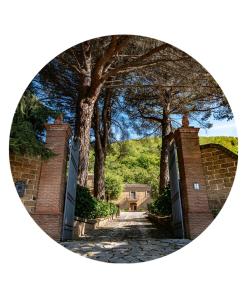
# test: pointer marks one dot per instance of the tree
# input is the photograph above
(27, 130)
(78, 75)
(113, 186)
(102, 128)
(157, 108)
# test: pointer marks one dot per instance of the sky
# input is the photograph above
(220, 128)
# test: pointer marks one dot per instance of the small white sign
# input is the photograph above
(196, 186)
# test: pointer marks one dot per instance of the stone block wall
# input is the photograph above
(27, 169)
(219, 166)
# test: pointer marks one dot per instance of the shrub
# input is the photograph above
(85, 203)
(113, 186)
(88, 207)
(162, 206)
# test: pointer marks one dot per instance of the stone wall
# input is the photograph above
(27, 169)
(219, 165)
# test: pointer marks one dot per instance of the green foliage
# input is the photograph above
(113, 186)
(229, 142)
(132, 161)
(27, 130)
(88, 207)
(85, 203)
(137, 161)
(162, 206)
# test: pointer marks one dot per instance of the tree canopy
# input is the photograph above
(27, 130)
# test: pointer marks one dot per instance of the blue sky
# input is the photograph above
(219, 128)
(222, 128)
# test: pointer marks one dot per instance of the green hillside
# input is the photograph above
(229, 142)
(138, 160)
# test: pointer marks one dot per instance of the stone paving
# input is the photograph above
(131, 238)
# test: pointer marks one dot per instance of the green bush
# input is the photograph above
(85, 203)
(88, 207)
(113, 186)
(162, 206)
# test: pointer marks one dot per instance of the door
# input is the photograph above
(177, 213)
(70, 194)
(133, 207)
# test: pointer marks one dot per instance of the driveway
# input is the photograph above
(130, 238)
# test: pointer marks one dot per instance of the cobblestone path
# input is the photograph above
(130, 238)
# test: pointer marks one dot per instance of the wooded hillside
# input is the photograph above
(138, 160)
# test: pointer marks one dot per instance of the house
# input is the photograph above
(135, 196)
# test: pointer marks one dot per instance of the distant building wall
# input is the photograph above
(134, 194)
(135, 197)
(27, 169)
(219, 165)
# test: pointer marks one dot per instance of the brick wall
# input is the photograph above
(219, 165)
(27, 169)
(50, 201)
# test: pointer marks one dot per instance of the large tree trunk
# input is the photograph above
(99, 180)
(164, 169)
(99, 174)
(101, 142)
(92, 82)
(86, 112)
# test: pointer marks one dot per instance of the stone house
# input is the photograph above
(135, 196)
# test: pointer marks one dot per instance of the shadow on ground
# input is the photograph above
(129, 239)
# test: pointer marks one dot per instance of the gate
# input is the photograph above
(70, 194)
(177, 214)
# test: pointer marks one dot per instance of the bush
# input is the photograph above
(113, 186)
(85, 203)
(162, 206)
(88, 207)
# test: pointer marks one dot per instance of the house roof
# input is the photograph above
(137, 187)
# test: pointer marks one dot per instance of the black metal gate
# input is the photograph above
(70, 194)
(177, 215)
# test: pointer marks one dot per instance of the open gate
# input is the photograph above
(70, 194)
(177, 214)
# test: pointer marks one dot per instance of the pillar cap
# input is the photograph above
(187, 129)
(59, 127)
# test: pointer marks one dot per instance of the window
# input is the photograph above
(148, 194)
(133, 195)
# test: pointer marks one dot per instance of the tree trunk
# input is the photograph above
(101, 142)
(86, 112)
(164, 169)
(99, 176)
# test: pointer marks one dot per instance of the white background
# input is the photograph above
(217, 264)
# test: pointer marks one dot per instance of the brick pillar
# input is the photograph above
(50, 201)
(195, 201)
